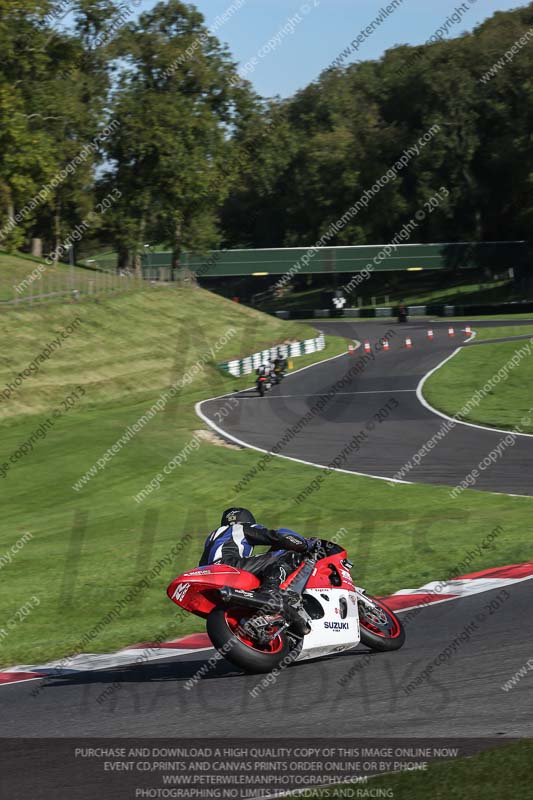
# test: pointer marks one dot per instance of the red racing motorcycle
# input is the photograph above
(259, 636)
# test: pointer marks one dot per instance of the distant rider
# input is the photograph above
(264, 370)
(280, 364)
(402, 313)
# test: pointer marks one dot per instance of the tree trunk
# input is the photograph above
(57, 229)
(10, 214)
(176, 249)
(36, 247)
(123, 261)
(179, 270)
(139, 250)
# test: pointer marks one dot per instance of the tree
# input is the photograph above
(177, 108)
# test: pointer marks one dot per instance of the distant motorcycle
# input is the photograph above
(402, 314)
(263, 384)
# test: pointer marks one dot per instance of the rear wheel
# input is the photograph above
(261, 388)
(380, 627)
(242, 637)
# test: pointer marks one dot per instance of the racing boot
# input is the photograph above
(291, 604)
(299, 621)
(271, 596)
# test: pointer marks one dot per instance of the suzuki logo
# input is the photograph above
(336, 626)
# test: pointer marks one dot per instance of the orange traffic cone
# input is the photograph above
(408, 343)
(430, 334)
(351, 349)
(451, 332)
(368, 349)
(386, 345)
(468, 330)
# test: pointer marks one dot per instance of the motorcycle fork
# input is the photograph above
(362, 598)
(298, 581)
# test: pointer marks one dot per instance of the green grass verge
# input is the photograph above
(501, 317)
(504, 772)
(482, 334)
(15, 268)
(508, 405)
(493, 292)
(90, 547)
(129, 347)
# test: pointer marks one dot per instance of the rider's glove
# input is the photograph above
(289, 540)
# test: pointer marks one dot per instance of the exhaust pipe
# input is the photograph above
(249, 600)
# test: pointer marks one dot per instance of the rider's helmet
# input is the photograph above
(231, 516)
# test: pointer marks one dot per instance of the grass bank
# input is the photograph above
(22, 270)
(92, 546)
(508, 404)
(492, 775)
(482, 334)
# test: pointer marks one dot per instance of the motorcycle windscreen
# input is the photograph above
(196, 590)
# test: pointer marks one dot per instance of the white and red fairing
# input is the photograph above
(334, 612)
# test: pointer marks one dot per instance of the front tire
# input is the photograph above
(224, 628)
(380, 628)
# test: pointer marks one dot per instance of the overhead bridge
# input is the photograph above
(347, 259)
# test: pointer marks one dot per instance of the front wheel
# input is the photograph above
(250, 640)
(261, 388)
(380, 627)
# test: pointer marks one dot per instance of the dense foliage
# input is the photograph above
(178, 151)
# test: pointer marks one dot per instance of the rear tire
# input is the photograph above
(261, 389)
(221, 631)
(381, 636)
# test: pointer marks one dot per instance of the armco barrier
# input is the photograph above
(243, 366)
(431, 309)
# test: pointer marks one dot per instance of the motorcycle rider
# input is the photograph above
(280, 365)
(233, 542)
(402, 313)
(265, 369)
(265, 372)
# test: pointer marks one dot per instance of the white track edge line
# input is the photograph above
(225, 435)
(44, 677)
(512, 582)
(426, 404)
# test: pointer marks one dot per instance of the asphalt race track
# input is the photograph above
(380, 406)
(355, 693)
